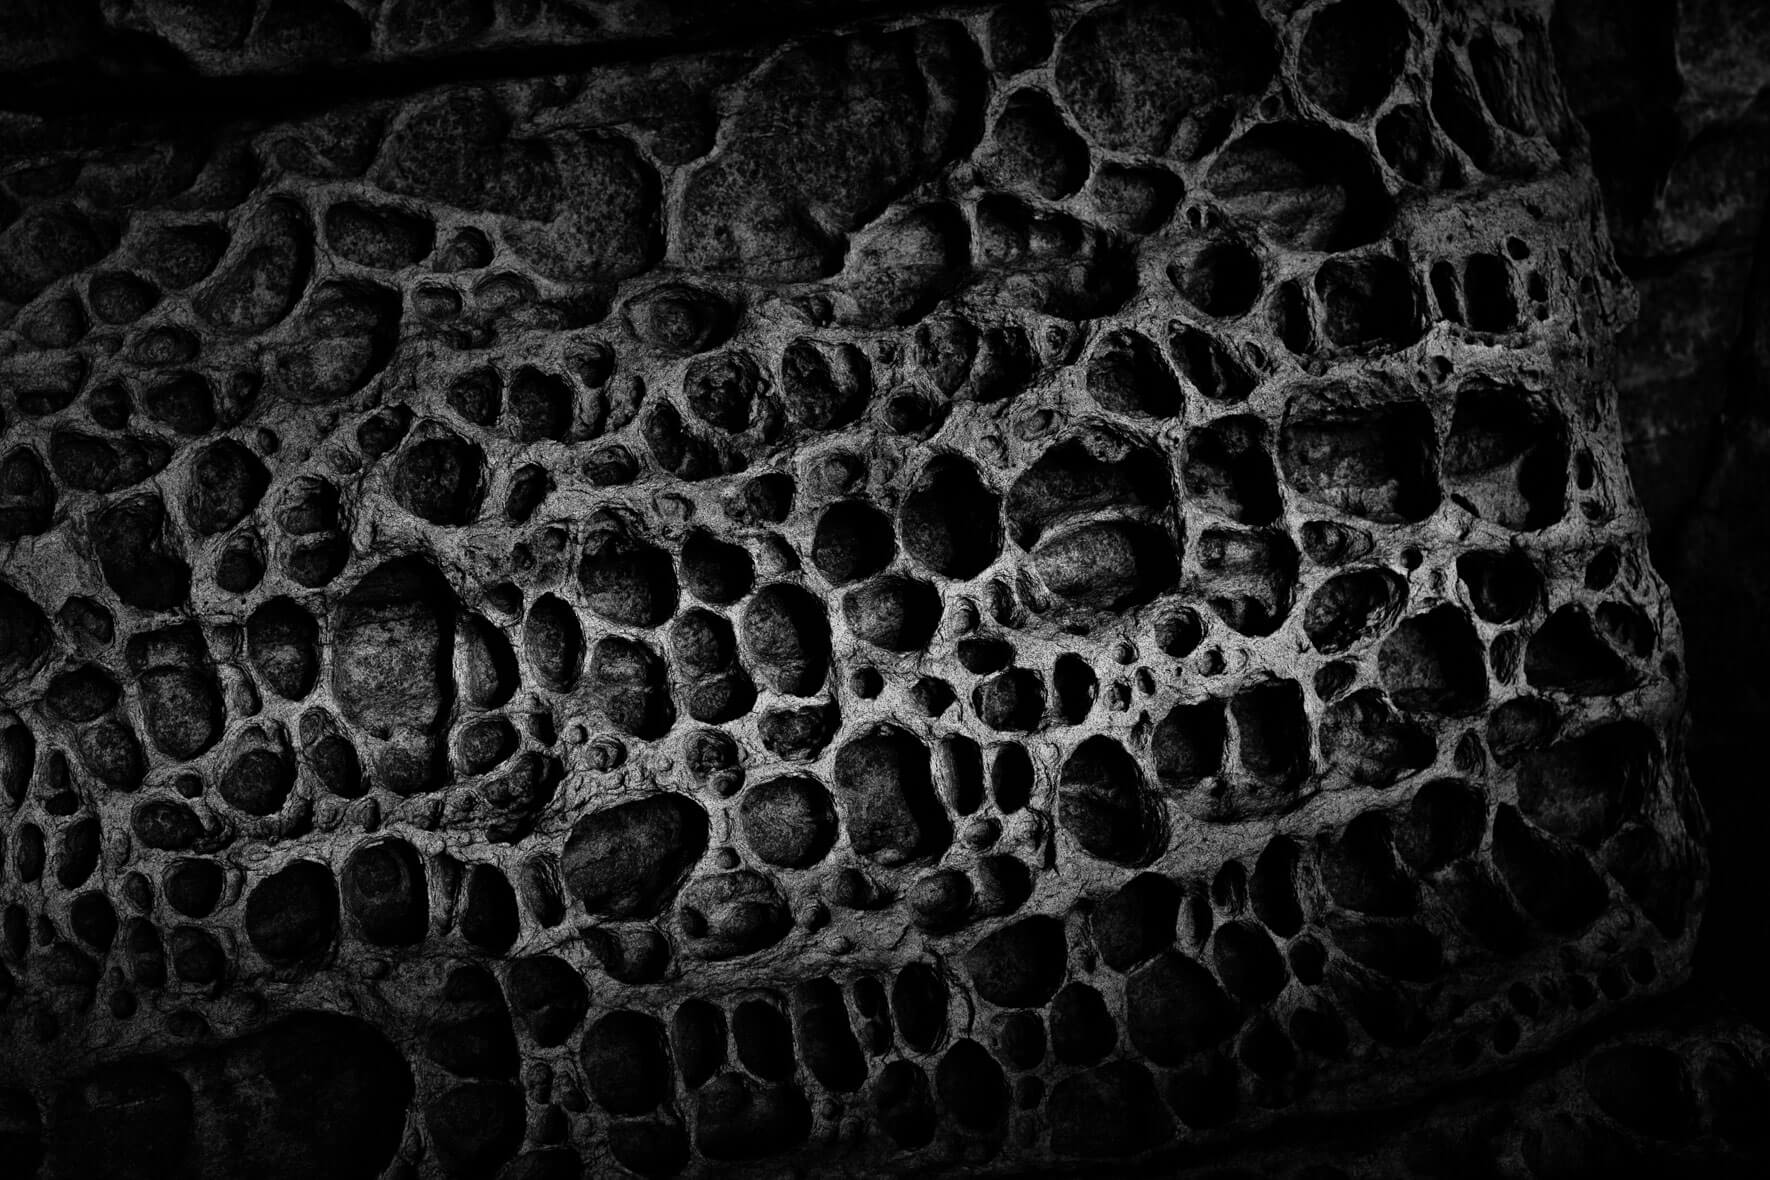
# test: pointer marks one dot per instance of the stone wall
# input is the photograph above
(669, 589)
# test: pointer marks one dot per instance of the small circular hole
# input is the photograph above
(1180, 633)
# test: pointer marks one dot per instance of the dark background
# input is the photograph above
(1674, 96)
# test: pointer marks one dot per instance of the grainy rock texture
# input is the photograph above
(971, 592)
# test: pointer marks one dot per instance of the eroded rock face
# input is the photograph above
(1002, 589)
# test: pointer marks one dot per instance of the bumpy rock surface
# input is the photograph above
(977, 592)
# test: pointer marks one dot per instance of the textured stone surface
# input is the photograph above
(994, 589)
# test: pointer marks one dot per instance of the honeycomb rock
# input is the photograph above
(988, 590)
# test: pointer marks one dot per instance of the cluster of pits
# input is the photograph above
(1033, 595)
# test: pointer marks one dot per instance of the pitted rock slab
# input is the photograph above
(981, 591)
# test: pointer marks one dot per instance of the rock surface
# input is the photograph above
(975, 591)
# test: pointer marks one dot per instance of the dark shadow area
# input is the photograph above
(1674, 96)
